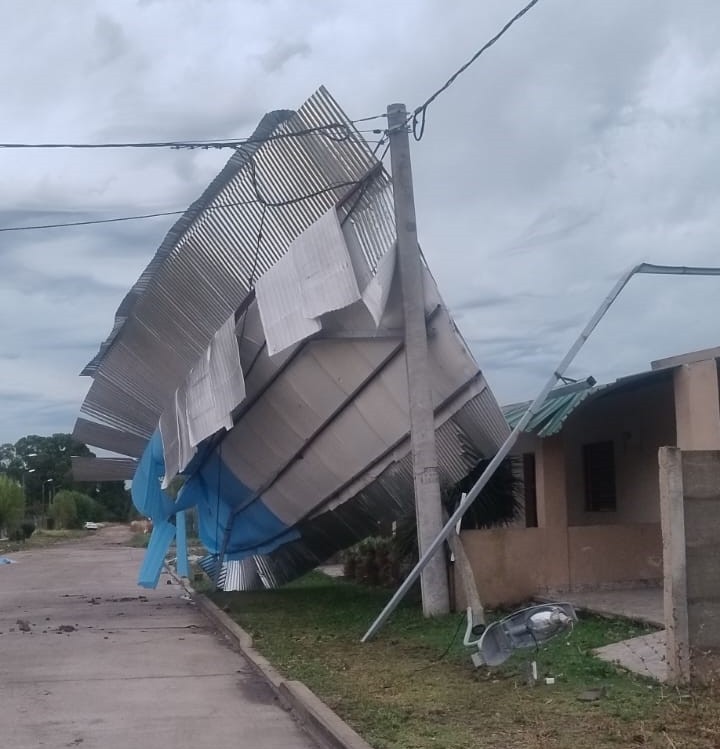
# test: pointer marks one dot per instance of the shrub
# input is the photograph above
(12, 504)
(373, 561)
(63, 510)
(73, 509)
(23, 531)
(88, 509)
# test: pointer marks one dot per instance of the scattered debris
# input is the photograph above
(66, 628)
(23, 625)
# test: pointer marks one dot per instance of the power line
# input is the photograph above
(420, 113)
(258, 200)
(339, 131)
(91, 222)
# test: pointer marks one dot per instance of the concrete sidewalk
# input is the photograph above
(106, 664)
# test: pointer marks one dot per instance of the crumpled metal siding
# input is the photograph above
(235, 575)
(387, 497)
(203, 270)
(206, 275)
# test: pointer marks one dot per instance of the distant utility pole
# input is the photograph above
(428, 505)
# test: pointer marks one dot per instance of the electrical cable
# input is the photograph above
(327, 130)
(324, 129)
(291, 201)
(444, 654)
(259, 199)
(419, 115)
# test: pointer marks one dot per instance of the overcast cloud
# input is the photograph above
(587, 140)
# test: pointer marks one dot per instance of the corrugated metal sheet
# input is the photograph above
(208, 262)
(551, 416)
(564, 401)
(104, 436)
(235, 575)
(320, 443)
(103, 469)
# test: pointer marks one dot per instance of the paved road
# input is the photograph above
(106, 664)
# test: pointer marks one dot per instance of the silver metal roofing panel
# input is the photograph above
(103, 436)
(322, 434)
(387, 496)
(103, 469)
(204, 268)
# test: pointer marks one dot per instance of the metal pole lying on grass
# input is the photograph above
(502, 453)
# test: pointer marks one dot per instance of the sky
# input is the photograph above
(584, 142)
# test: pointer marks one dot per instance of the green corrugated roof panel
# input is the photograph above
(551, 415)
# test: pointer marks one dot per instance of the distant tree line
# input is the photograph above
(36, 482)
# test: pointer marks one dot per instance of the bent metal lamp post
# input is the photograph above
(502, 453)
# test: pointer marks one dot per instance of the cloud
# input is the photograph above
(282, 52)
(582, 143)
(111, 40)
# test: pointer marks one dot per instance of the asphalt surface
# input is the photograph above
(88, 659)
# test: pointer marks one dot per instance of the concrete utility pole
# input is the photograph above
(428, 506)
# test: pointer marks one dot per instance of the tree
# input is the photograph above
(71, 509)
(43, 465)
(12, 504)
(115, 499)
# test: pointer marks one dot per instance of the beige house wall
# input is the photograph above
(513, 564)
(573, 548)
(614, 555)
(638, 422)
(697, 408)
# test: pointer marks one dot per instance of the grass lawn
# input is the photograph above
(41, 539)
(407, 690)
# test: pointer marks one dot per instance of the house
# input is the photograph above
(591, 491)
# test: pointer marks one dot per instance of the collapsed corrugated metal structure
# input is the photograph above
(260, 357)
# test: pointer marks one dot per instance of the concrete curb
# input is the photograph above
(315, 717)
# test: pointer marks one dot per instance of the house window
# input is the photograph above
(599, 464)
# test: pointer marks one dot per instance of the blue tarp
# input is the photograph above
(225, 506)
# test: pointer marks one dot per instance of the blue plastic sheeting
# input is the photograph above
(182, 565)
(147, 495)
(160, 540)
(217, 494)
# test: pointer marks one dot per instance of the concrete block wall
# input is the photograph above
(690, 511)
